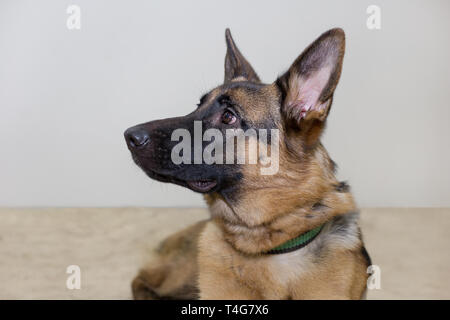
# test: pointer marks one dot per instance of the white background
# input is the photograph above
(67, 96)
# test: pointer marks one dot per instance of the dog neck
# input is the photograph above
(265, 218)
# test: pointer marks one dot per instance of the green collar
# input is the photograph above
(296, 243)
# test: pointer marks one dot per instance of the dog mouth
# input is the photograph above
(201, 185)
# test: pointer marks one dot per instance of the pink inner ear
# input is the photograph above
(307, 92)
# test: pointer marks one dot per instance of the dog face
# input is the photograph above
(295, 107)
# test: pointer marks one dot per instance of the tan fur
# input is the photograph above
(225, 273)
(225, 257)
(172, 274)
(230, 263)
(280, 210)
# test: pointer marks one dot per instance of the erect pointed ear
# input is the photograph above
(236, 66)
(307, 87)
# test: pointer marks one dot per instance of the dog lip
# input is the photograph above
(201, 185)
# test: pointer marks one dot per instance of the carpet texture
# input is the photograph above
(411, 247)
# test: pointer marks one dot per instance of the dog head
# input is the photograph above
(195, 151)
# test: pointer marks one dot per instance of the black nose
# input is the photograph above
(136, 137)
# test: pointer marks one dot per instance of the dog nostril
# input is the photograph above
(137, 138)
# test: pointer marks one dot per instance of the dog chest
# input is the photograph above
(265, 276)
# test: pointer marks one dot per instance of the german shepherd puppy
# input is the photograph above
(293, 234)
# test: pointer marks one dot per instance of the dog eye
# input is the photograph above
(228, 117)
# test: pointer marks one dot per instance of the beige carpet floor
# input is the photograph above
(411, 247)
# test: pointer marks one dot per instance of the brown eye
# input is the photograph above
(228, 117)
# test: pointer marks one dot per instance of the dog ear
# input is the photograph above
(307, 87)
(236, 66)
